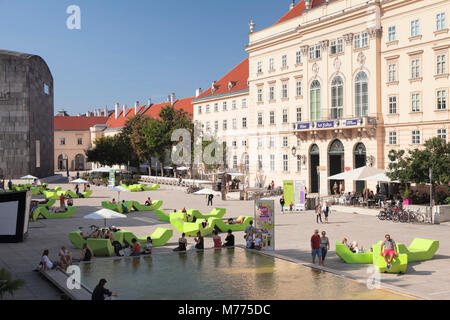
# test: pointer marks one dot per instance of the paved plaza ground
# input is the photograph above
(429, 280)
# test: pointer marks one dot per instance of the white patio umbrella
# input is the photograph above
(118, 189)
(105, 214)
(382, 177)
(357, 174)
(206, 191)
(182, 168)
(79, 181)
(28, 177)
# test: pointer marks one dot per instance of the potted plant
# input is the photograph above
(407, 197)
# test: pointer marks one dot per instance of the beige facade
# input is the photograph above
(320, 84)
(71, 145)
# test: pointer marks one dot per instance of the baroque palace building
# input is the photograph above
(333, 86)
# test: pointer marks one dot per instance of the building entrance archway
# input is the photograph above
(335, 164)
(62, 162)
(360, 155)
(79, 162)
(314, 160)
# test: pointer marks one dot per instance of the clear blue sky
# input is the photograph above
(136, 49)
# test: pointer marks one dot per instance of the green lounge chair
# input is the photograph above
(419, 249)
(36, 213)
(70, 211)
(101, 247)
(47, 205)
(117, 207)
(177, 220)
(224, 227)
(398, 265)
(76, 239)
(87, 193)
(155, 205)
(162, 215)
(152, 188)
(159, 237)
(72, 194)
(57, 189)
(215, 213)
(345, 254)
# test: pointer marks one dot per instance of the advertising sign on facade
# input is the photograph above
(112, 178)
(265, 222)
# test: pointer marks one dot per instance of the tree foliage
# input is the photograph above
(110, 151)
(413, 166)
(8, 285)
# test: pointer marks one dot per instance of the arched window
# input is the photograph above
(336, 148)
(337, 98)
(315, 101)
(361, 95)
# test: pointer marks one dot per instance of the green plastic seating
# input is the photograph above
(162, 215)
(399, 264)
(117, 207)
(177, 220)
(76, 239)
(87, 193)
(420, 249)
(352, 258)
(152, 188)
(49, 204)
(70, 211)
(156, 204)
(159, 237)
(224, 227)
(101, 247)
(215, 213)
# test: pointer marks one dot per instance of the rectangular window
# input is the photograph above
(414, 28)
(216, 125)
(244, 103)
(311, 53)
(272, 142)
(440, 21)
(299, 165)
(63, 141)
(442, 99)
(392, 72)
(233, 104)
(38, 153)
(235, 165)
(260, 162)
(285, 116)
(441, 64)
(260, 119)
(234, 124)
(46, 89)
(259, 68)
(393, 105)
(272, 117)
(392, 36)
(298, 57)
(246, 163)
(442, 134)
(314, 52)
(285, 163)
(298, 88)
(357, 41)
(207, 108)
(80, 141)
(285, 142)
(216, 107)
(284, 61)
(260, 95)
(199, 109)
(415, 68)
(224, 125)
(299, 114)
(244, 122)
(284, 91)
(415, 102)
(271, 93)
(271, 64)
(364, 40)
(336, 46)
(208, 126)
(415, 137)
(393, 138)
(272, 163)
(260, 142)
(244, 143)
(317, 51)
(234, 143)
(224, 106)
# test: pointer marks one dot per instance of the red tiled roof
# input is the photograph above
(238, 76)
(299, 9)
(77, 123)
(184, 104)
(120, 121)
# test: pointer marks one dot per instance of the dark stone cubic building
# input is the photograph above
(26, 116)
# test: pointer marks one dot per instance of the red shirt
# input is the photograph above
(137, 248)
(315, 241)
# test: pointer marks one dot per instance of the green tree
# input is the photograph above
(110, 151)
(7, 284)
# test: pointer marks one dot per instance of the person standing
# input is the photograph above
(341, 188)
(319, 213)
(100, 291)
(326, 211)
(315, 247)
(272, 185)
(249, 230)
(324, 245)
(229, 240)
(282, 204)
(10, 184)
(210, 199)
(335, 188)
(62, 201)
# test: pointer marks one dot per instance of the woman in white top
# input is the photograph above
(46, 264)
(324, 245)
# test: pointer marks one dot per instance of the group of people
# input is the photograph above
(322, 210)
(253, 238)
(200, 241)
(320, 244)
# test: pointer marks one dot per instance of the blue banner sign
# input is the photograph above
(324, 124)
(352, 122)
(303, 126)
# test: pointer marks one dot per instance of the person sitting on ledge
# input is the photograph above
(230, 221)
(114, 201)
(217, 240)
(148, 246)
(182, 242)
(69, 201)
(148, 203)
(136, 250)
(124, 207)
(258, 243)
(205, 223)
(86, 253)
(199, 242)
(229, 240)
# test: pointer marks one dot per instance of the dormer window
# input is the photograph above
(230, 85)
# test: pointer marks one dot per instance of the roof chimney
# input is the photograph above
(308, 4)
(172, 99)
(124, 110)
(149, 102)
(87, 114)
(116, 111)
(198, 92)
(136, 107)
(292, 5)
(106, 111)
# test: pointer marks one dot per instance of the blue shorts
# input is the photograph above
(316, 252)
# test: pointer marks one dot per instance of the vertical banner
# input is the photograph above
(112, 178)
(288, 193)
(265, 222)
(299, 195)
